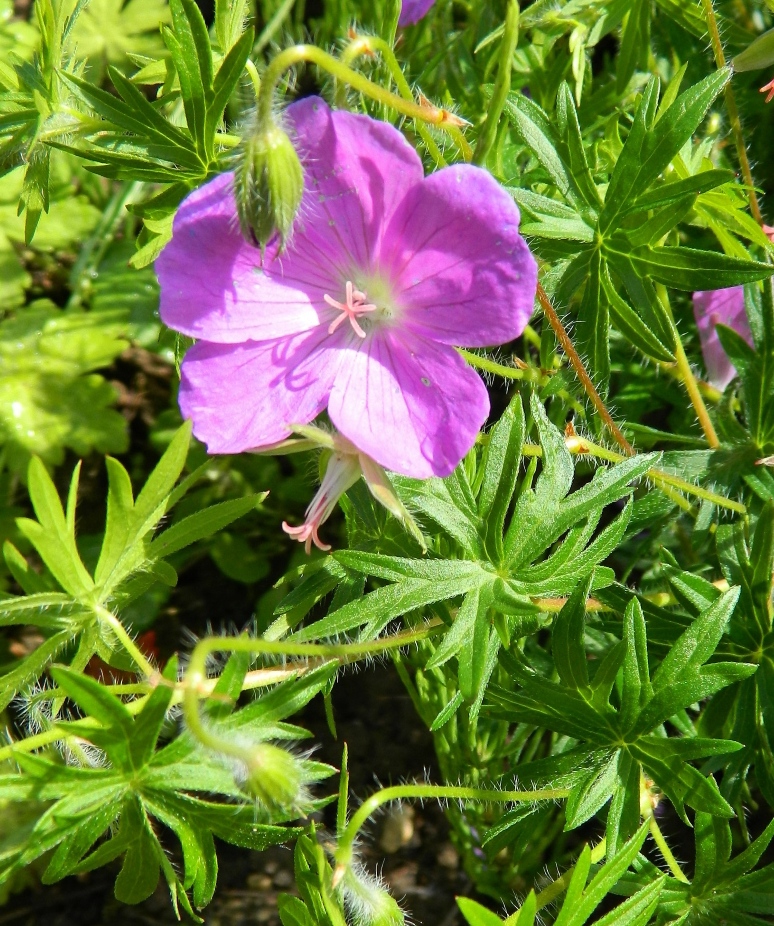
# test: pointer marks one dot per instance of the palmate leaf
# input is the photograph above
(497, 563)
(584, 895)
(625, 721)
(618, 241)
(131, 559)
(143, 786)
(723, 889)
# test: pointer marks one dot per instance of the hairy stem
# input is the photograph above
(694, 393)
(370, 45)
(196, 684)
(666, 852)
(581, 372)
(347, 838)
(423, 112)
(733, 111)
(124, 637)
(559, 886)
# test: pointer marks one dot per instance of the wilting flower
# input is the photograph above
(385, 271)
(724, 307)
(413, 10)
(345, 465)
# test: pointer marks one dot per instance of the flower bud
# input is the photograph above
(760, 54)
(274, 777)
(269, 184)
(367, 901)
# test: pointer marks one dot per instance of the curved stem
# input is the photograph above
(345, 847)
(733, 111)
(580, 371)
(196, 684)
(369, 45)
(424, 112)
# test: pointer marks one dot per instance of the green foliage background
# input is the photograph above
(581, 619)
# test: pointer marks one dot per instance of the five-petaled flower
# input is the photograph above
(724, 307)
(386, 272)
(413, 10)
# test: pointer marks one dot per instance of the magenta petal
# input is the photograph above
(460, 270)
(356, 172)
(245, 396)
(724, 307)
(212, 284)
(413, 10)
(413, 406)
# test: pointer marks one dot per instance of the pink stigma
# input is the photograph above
(306, 534)
(769, 91)
(355, 305)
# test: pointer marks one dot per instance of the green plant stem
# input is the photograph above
(502, 84)
(559, 886)
(345, 848)
(370, 45)
(689, 381)
(733, 111)
(666, 852)
(273, 25)
(99, 241)
(580, 371)
(124, 637)
(196, 684)
(527, 375)
(314, 55)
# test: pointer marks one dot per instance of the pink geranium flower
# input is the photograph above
(413, 10)
(724, 307)
(385, 272)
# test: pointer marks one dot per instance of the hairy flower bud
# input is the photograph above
(269, 184)
(274, 777)
(367, 901)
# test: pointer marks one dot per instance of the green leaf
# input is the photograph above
(202, 524)
(650, 147)
(535, 130)
(591, 793)
(501, 463)
(568, 639)
(139, 873)
(690, 269)
(629, 323)
(477, 915)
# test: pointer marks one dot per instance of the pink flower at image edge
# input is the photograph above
(413, 10)
(386, 272)
(724, 307)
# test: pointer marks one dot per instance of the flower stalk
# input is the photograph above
(345, 849)
(581, 372)
(423, 112)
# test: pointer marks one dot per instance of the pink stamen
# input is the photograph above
(355, 305)
(769, 91)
